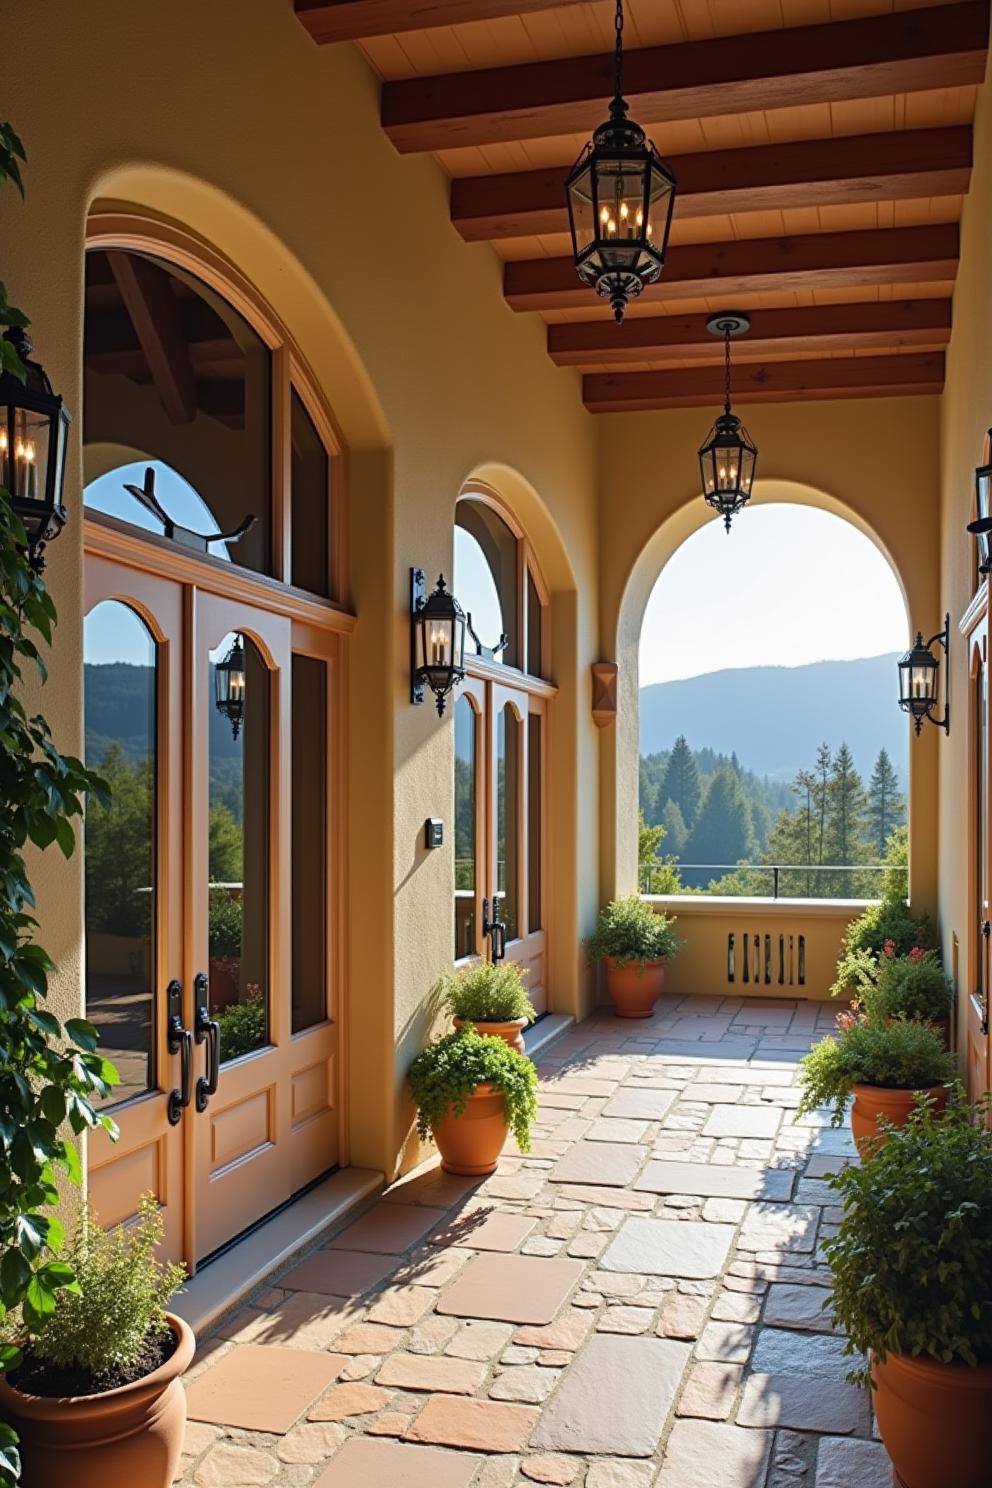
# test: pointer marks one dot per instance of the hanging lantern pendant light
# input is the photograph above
(620, 200)
(728, 459)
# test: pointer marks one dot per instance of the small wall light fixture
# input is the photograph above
(34, 428)
(728, 459)
(229, 686)
(982, 525)
(918, 680)
(437, 641)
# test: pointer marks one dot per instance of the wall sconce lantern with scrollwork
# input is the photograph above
(437, 641)
(918, 679)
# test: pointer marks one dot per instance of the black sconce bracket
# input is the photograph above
(418, 598)
(944, 639)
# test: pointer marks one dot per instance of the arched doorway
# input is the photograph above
(214, 693)
(501, 717)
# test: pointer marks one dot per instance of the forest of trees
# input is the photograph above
(703, 808)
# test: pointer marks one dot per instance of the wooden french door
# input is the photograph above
(501, 819)
(216, 994)
(977, 1055)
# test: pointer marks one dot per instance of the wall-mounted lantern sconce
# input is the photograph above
(229, 686)
(918, 680)
(34, 428)
(437, 640)
(982, 525)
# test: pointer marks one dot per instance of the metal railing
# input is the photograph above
(650, 874)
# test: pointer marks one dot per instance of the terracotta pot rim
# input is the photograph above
(905, 1090)
(39, 1407)
(632, 961)
(933, 1372)
(481, 1025)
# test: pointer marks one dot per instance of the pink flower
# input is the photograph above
(917, 953)
(889, 948)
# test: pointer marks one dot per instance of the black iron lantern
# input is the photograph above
(229, 686)
(437, 640)
(34, 428)
(982, 526)
(728, 459)
(620, 200)
(918, 680)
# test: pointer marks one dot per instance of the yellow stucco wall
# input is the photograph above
(270, 149)
(967, 415)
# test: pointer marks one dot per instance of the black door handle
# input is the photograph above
(206, 1028)
(180, 1041)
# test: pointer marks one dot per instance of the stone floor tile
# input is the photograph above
(360, 1366)
(567, 1332)
(630, 1320)
(704, 1454)
(514, 1186)
(390, 1423)
(373, 1463)
(615, 1129)
(311, 1441)
(617, 1198)
(340, 1273)
(615, 1398)
(738, 1074)
(479, 1340)
(619, 1473)
(389, 1228)
(710, 1391)
(790, 1306)
(260, 1389)
(230, 1465)
(725, 1343)
(429, 1372)
(804, 1403)
(369, 1338)
(724, 1211)
(737, 1307)
(640, 1105)
(546, 1469)
(699, 1090)
(528, 1383)
(609, 1163)
(779, 1227)
(198, 1437)
(708, 1181)
(430, 1267)
(476, 1425)
(573, 1084)
(667, 1247)
(742, 1121)
(431, 1335)
(310, 1320)
(841, 1463)
(683, 1317)
(486, 1229)
(511, 1288)
(402, 1306)
(344, 1401)
(821, 1165)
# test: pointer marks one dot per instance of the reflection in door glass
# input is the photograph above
(507, 822)
(464, 828)
(535, 822)
(119, 655)
(309, 815)
(238, 848)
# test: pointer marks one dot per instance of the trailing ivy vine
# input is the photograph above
(50, 1072)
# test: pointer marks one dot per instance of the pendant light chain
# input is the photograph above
(618, 56)
(726, 369)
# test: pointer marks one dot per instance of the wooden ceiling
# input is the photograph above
(823, 150)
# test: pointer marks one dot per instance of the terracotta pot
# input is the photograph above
(634, 988)
(511, 1033)
(872, 1102)
(471, 1143)
(934, 1420)
(130, 1435)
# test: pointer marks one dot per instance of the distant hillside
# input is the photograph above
(773, 718)
(120, 699)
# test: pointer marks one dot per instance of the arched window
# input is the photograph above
(499, 586)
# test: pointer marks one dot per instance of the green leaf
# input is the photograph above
(15, 1274)
(82, 1033)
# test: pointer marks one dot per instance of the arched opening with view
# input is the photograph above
(773, 758)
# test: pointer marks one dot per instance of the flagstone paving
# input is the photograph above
(635, 1304)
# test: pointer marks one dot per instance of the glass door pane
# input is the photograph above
(120, 716)
(508, 764)
(466, 805)
(309, 841)
(535, 822)
(238, 850)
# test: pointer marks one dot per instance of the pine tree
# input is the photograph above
(795, 839)
(676, 830)
(886, 805)
(824, 761)
(681, 782)
(846, 826)
(723, 831)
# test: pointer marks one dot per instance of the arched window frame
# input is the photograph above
(527, 569)
(173, 245)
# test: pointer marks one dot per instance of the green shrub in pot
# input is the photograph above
(890, 921)
(446, 1074)
(901, 1055)
(488, 993)
(631, 933)
(913, 986)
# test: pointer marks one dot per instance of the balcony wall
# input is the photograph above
(705, 925)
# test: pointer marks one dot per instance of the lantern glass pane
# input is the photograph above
(659, 203)
(583, 210)
(439, 640)
(747, 469)
(621, 191)
(24, 460)
(983, 502)
(458, 653)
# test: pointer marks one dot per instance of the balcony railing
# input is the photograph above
(783, 880)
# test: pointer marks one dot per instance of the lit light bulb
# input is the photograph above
(624, 211)
(604, 214)
(640, 217)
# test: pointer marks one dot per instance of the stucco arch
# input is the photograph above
(886, 532)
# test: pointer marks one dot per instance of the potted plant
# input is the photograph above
(882, 1065)
(470, 1090)
(911, 1263)
(889, 922)
(635, 944)
(493, 998)
(913, 986)
(97, 1396)
(224, 947)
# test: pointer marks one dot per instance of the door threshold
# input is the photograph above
(252, 1262)
(548, 1029)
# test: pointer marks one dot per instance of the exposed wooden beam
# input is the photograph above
(897, 166)
(902, 255)
(218, 360)
(769, 382)
(351, 20)
(939, 47)
(860, 326)
(150, 303)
